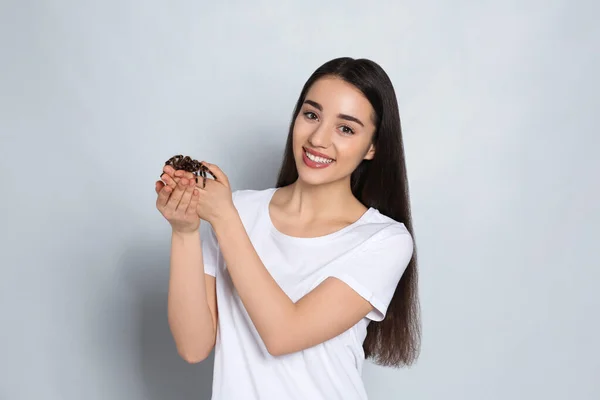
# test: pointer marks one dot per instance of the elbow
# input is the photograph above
(277, 348)
(275, 351)
(282, 341)
(194, 360)
(194, 357)
(194, 348)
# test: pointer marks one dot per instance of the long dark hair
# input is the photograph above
(380, 183)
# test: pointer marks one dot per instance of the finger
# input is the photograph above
(185, 199)
(183, 174)
(169, 170)
(169, 180)
(158, 186)
(216, 171)
(191, 210)
(175, 174)
(176, 196)
(186, 174)
(163, 197)
(167, 174)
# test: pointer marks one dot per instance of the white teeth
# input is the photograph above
(320, 160)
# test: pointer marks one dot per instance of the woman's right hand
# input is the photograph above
(177, 200)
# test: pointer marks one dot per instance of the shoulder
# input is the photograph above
(389, 234)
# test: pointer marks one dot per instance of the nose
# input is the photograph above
(321, 136)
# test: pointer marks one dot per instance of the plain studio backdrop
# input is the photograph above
(497, 102)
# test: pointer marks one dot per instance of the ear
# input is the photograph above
(370, 152)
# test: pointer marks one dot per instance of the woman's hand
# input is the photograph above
(178, 200)
(214, 202)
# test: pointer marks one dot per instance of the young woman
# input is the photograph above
(294, 286)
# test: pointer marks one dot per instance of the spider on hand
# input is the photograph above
(188, 164)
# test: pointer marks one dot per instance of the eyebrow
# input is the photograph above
(342, 116)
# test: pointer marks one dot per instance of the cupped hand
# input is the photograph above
(178, 199)
(215, 199)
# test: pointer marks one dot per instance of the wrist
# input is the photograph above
(229, 217)
(185, 234)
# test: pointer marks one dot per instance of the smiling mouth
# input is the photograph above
(317, 159)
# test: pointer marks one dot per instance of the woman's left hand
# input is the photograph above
(215, 202)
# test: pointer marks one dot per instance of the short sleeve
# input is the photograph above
(211, 253)
(374, 268)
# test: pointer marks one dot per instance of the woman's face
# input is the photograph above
(332, 132)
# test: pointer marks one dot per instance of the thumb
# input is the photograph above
(217, 173)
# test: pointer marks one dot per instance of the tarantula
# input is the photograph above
(190, 165)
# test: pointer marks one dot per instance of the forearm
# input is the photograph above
(189, 315)
(267, 304)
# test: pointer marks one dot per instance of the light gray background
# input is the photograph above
(497, 102)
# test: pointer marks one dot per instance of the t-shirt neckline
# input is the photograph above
(317, 239)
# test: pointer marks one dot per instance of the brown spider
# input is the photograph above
(190, 165)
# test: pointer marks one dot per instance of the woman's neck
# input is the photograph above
(310, 202)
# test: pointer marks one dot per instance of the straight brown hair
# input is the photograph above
(380, 183)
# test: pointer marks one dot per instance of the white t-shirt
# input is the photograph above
(369, 255)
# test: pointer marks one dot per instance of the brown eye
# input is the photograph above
(310, 115)
(347, 130)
